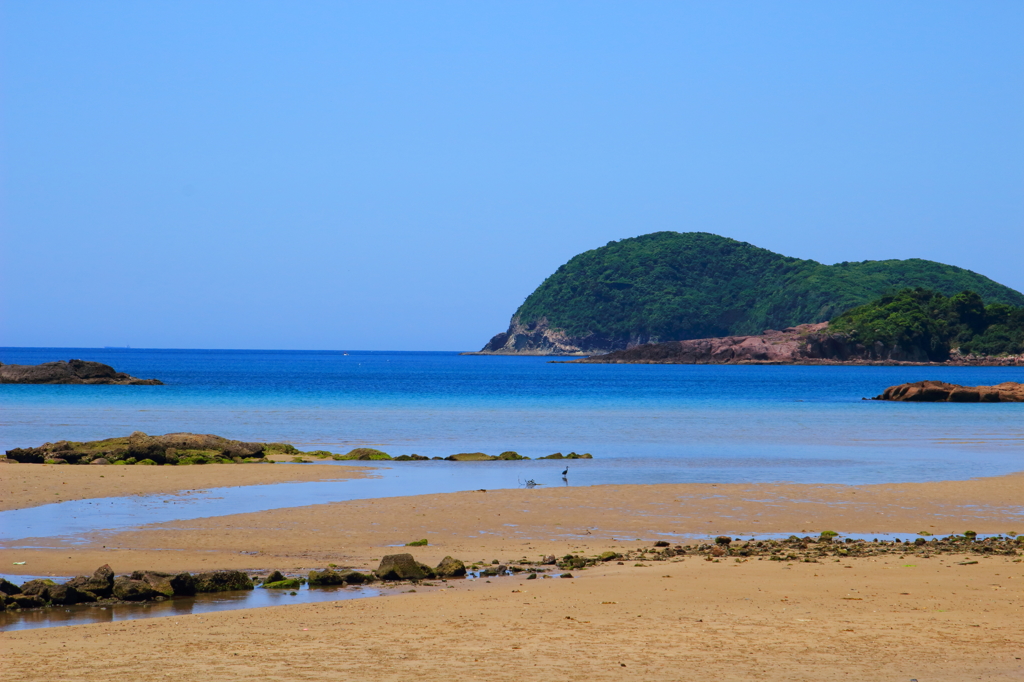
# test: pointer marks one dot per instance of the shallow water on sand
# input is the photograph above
(734, 423)
(82, 614)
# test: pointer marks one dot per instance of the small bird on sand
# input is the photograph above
(565, 472)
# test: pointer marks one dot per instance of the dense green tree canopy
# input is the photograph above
(671, 285)
(926, 319)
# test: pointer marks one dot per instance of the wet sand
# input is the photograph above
(691, 619)
(878, 618)
(31, 485)
(508, 524)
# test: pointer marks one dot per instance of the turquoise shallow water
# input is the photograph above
(643, 423)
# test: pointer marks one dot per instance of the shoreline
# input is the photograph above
(938, 617)
(547, 521)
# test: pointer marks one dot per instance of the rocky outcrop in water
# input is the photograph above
(803, 344)
(941, 392)
(140, 448)
(70, 372)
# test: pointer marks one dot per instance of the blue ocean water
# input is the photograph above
(642, 423)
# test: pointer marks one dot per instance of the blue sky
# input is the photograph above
(402, 175)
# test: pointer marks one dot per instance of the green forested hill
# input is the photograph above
(670, 285)
(936, 324)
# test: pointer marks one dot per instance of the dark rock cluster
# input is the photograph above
(70, 372)
(196, 448)
(809, 550)
(103, 587)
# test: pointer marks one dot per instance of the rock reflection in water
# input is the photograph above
(82, 614)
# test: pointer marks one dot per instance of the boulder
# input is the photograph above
(183, 584)
(511, 455)
(127, 589)
(222, 581)
(8, 588)
(63, 595)
(39, 588)
(450, 568)
(286, 584)
(402, 567)
(24, 601)
(100, 461)
(274, 577)
(159, 582)
(99, 586)
(325, 578)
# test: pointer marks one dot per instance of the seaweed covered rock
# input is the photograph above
(470, 457)
(222, 581)
(171, 448)
(70, 372)
(571, 455)
(159, 582)
(365, 455)
(127, 589)
(402, 567)
(24, 601)
(38, 588)
(99, 585)
(450, 568)
(65, 595)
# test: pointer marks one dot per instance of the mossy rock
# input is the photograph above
(300, 460)
(557, 455)
(511, 455)
(411, 458)
(828, 534)
(121, 462)
(280, 449)
(146, 462)
(585, 455)
(608, 556)
(319, 454)
(417, 543)
(286, 584)
(365, 455)
(470, 457)
(450, 568)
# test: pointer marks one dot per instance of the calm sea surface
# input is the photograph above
(643, 423)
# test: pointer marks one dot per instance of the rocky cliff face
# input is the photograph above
(538, 338)
(801, 344)
(70, 372)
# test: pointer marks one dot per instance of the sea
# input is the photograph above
(641, 423)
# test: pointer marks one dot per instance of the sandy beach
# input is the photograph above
(878, 618)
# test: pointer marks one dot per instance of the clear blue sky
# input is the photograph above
(399, 175)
